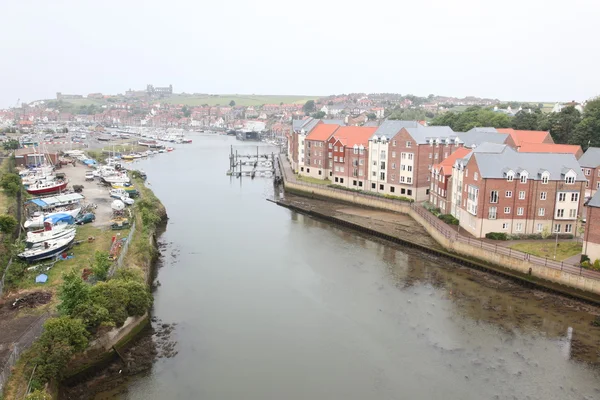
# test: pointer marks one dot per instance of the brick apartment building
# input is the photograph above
(349, 156)
(315, 162)
(591, 239)
(440, 194)
(590, 165)
(402, 154)
(296, 141)
(497, 189)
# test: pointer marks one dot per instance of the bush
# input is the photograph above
(449, 219)
(73, 292)
(101, 265)
(584, 258)
(496, 236)
(61, 339)
(8, 223)
(14, 274)
(11, 183)
(38, 395)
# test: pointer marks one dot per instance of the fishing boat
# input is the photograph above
(47, 187)
(49, 232)
(186, 141)
(37, 219)
(48, 249)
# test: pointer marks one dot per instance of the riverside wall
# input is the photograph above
(565, 282)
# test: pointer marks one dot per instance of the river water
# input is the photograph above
(270, 304)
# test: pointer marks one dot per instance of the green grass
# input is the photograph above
(240, 99)
(5, 201)
(316, 181)
(546, 249)
(85, 102)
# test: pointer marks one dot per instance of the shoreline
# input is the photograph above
(524, 273)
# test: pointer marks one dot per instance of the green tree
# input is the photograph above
(371, 116)
(186, 111)
(587, 132)
(408, 114)
(525, 120)
(561, 124)
(101, 265)
(140, 298)
(472, 117)
(92, 315)
(11, 183)
(38, 395)
(73, 292)
(318, 114)
(232, 103)
(8, 223)
(61, 339)
(113, 296)
(11, 144)
(308, 107)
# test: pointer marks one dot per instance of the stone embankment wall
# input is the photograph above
(529, 270)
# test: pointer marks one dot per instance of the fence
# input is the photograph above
(21, 344)
(450, 233)
(3, 276)
(119, 263)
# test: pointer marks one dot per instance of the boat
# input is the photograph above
(47, 187)
(48, 249)
(127, 157)
(131, 191)
(127, 200)
(37, 219)
(148, 143)
(118, 193)
(170, 149)
(186, 141)
(162, 151)
(119, 224)
(116, 178)
(49, 232)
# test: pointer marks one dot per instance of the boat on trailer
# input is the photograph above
(48, 249)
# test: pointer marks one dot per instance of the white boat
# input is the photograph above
(118, 193)
(36, 238)
(127, 200)
(37, 220)
(48, 249)
(118, 179)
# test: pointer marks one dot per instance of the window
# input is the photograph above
(361, 161)
(435, 157)
(337, 179)
(562, 196)
(341, 159)
(556, 228)
(543, 195)
(560, 213)
(381, 187)
(408, 179)
(353, 183)
(335, 158)
(506, 210)
(320, 172)
(492, 213)
(541, 212)
(508, 193)
(523, 178)
(430, 155)
(393, 154)
(522, 195)
(520, 211)
(574, 196)
(302, 169)
(341, 169)
(510, 176)
(540, 227)
(410, 156)
(392, 189)
(409, 168)
(494, 196)
(330, 145)
(409, 144)
(505, 226)
(382, 155)
(394, 143)
(355, 150)
(544, 178)
(570, 180)
(372, 186)
(475, 176)
(382, 176)
(330, 154)
(572, 213)
(409, 192)
(308, 170)
(335, 148)
(568, 228)
(337, 168)
(403, 155)
(402, 179)
(341, 180)
(519, 227)
(587, 171)
(393, 165)
(360, 182)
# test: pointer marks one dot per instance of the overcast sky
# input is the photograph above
(533, 50)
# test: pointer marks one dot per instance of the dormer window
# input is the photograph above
(570, 179)
(510, 176)
(523, 176)
(545, 177)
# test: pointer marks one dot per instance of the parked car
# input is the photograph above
(85, 219)
(89, 175)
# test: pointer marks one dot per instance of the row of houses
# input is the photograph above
(492, 180)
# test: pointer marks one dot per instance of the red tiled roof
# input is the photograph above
(322, 132)
(520, 136)
(355, 135)
(446, 165)
(549, 148)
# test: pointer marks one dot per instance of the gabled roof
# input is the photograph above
(495, 165)
(595, 201)
(390, 128)
(477, 136)
(591, 158)
(339, 122)
(446, 165)
(520, 136)
(354, 135)
(549, 148)
(422, 134)
(322, 132)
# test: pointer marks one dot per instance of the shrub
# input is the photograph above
(449, 219)
(8, 223)
(61, 339)
(584, 258)
(11, 183)
(73, 292)
(101, 265)
(38, 395)
(496, 236)
(14, 273)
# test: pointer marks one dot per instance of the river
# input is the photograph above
(270, 304)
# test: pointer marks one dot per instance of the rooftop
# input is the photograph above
(549, 148)
(446, 165)
(595, 201)
(521, 136)
(591, 158)
(354, 135)
(322, 132)
(390, 128)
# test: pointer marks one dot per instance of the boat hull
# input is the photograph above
(47, 190)
(55, 249)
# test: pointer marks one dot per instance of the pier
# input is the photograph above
(251, 164)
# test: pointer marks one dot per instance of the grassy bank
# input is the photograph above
(546, 249)
(239, 99)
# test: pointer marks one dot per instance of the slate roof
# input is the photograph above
(595, 201)
(390, 128)
(496, 164)
(477, 136)
(421, 133)
(334, 122)
(309, 123)
(591, 158)
(483, 130)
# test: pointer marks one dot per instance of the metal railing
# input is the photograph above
(119, 263)
(453, 235)
(21, 344)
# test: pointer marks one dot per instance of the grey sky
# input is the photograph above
(538, 50)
